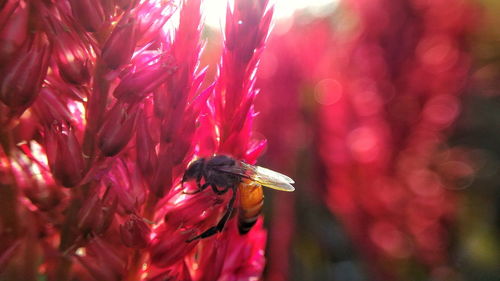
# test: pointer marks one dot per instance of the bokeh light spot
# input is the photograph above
(328, 92)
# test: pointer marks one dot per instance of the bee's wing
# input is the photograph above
(262, 176)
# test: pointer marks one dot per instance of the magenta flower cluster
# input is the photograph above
(102, 107)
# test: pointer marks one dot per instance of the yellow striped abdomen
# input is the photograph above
(251, 203)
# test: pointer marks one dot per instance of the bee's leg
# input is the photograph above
(198, 181)
(200, 188)
(220, 225)
(219, 191)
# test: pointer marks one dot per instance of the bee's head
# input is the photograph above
(194, 170)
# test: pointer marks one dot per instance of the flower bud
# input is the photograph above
(50, 108)
(117, 129)
(64, 155)
(71, 54)
(134, 86)
(198, 210)
(14, 31)
(170, 246)
(22, 78)
(135, 233)
(73, 63)
(120, 45)
(89, 13)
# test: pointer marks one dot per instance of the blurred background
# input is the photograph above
(385, 114)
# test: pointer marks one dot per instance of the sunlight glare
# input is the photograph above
(215, 10)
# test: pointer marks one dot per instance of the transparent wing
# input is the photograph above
(262, 176)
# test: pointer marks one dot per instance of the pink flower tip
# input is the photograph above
(120, 45)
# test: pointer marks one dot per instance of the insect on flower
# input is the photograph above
(223, 173)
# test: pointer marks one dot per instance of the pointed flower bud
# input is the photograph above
(15, 29)
(134, 86)
(117, 129)
(49, 107)
(120, 45)
(72, 56)
(64, 154)
(21, 80)
(89, 13)
(135, 233)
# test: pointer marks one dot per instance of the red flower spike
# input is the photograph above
(22, 78)
(133, 59)
(246, 31)
(64, 154)
(135, 233)
(117, 129)
(14, 31)
(120, 45)
(89, 13)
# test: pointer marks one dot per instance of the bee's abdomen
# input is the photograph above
(251, 203)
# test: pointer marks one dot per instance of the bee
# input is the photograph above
(223, 173)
